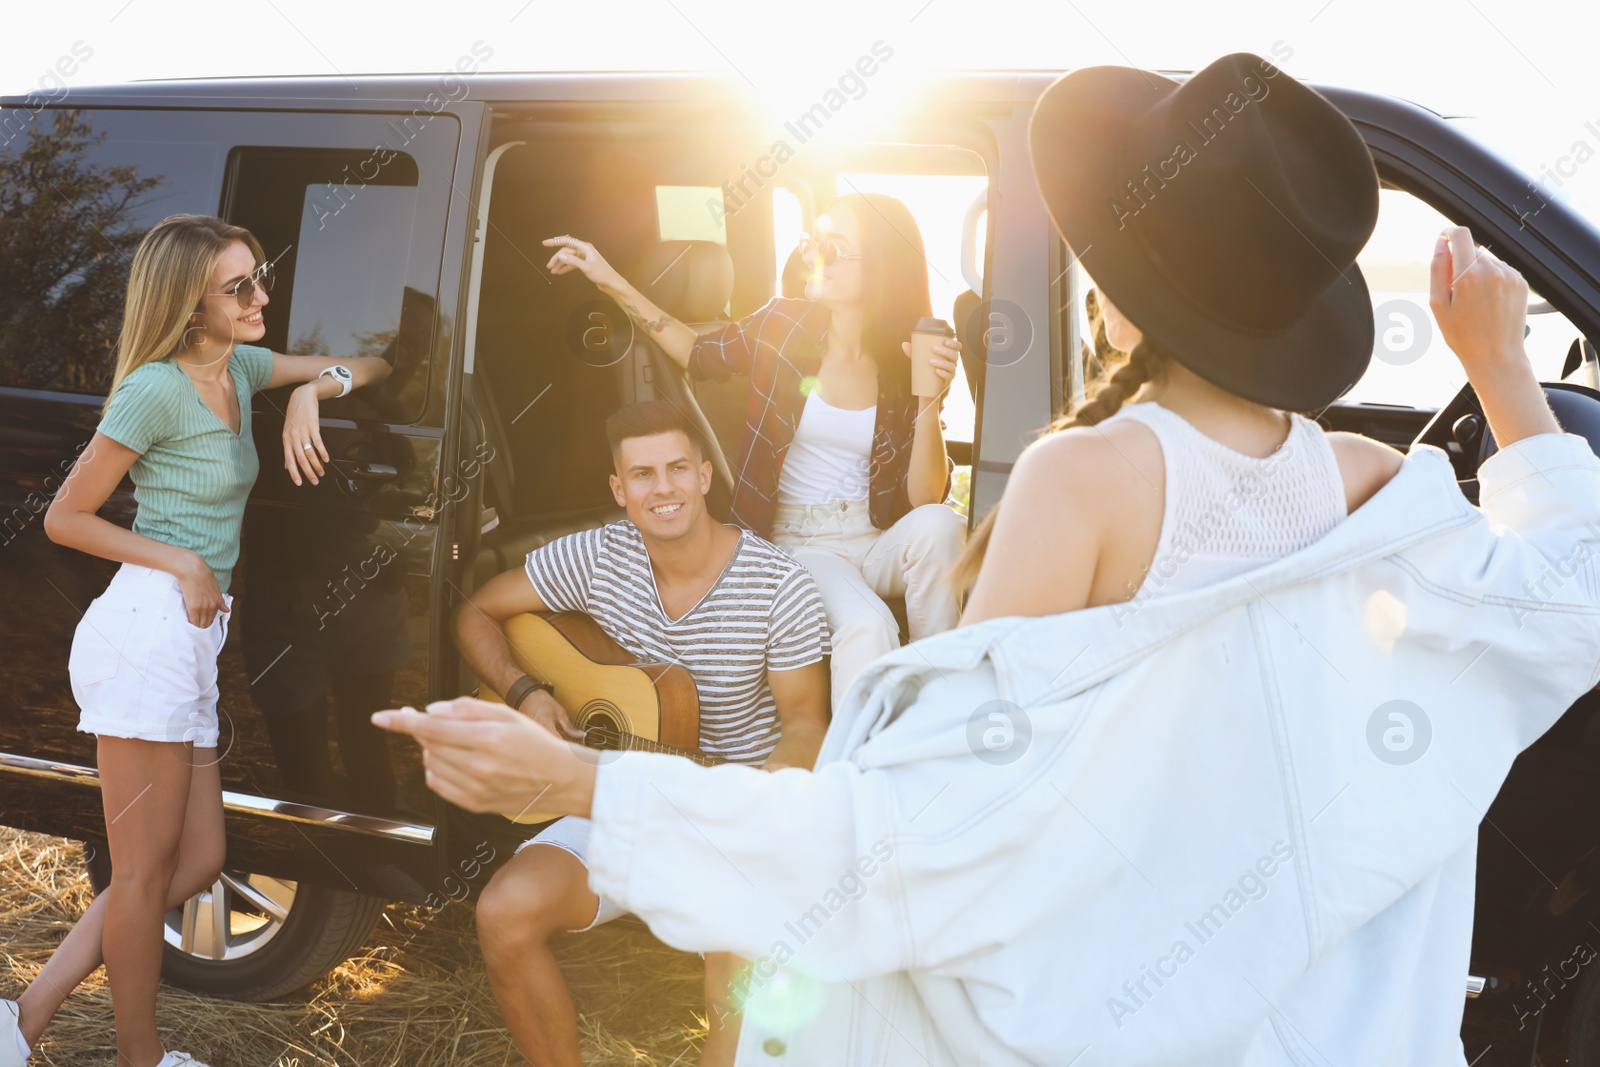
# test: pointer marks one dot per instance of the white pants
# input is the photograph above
(855, 565)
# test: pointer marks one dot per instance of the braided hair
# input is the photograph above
(1146, 362)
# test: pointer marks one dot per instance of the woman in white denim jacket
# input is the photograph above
(1199, 844)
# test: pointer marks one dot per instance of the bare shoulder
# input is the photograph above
(1094, 472)
(1070, 496)
(1102, 456)
(1365, 465)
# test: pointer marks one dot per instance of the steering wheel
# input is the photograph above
(1461, 431)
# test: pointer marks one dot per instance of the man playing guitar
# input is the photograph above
(668, 583)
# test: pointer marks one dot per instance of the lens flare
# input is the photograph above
(780, 999)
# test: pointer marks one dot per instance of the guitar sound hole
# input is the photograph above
(602, 724)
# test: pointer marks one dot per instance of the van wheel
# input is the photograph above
(254, 937)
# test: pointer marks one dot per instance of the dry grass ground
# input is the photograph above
(416, 994)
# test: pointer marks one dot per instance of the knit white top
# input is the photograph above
(827, 461)
(1227, 512)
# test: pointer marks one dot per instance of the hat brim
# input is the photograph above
(1072, 136)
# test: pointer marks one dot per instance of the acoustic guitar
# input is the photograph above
(620, 703)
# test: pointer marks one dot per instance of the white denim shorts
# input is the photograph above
(571, 832)
(140, 669)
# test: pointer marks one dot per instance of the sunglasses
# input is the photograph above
(828, 248)
(261, 278)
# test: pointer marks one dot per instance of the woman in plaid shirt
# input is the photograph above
(841, 464)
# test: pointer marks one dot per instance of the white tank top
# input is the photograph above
(1227, 513)
(827, 460)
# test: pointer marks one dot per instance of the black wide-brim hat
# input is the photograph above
(1222, 215)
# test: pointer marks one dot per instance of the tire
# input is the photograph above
(280, 936)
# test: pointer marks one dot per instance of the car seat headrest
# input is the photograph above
(689, 280)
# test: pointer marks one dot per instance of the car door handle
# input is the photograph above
(374, 472)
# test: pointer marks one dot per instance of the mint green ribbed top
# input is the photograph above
(193, 474)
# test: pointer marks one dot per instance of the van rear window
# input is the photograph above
(690, 213)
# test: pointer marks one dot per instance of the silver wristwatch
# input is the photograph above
(341, 374)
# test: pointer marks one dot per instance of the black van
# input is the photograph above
(405, 214)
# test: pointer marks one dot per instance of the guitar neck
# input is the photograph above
(621, 740)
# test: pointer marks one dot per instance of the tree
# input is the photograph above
(67, 239)
(310, 343)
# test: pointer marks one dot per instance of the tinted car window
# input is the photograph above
(78, 191)
(360, 228)
(339, 227)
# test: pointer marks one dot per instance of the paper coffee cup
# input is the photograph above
(929, 332)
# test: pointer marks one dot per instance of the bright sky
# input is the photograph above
(1524, 67)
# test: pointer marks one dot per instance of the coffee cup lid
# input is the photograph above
(927, 325)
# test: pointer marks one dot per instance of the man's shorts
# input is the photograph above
(140, 669)
(571, 832)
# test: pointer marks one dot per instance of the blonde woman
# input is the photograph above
(144, 658)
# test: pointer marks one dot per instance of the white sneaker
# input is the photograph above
(177, 1059)
(10, 1038)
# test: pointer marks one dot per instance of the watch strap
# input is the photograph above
(346, 380)
(522, 688)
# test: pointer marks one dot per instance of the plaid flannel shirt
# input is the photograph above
(780, 346)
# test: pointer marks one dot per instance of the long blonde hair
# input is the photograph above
(170, 273)
(1115, 376)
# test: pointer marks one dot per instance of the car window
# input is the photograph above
(682, 213)
(79, 189)
(788, 223)
(339, 229)
(356, 258)
(1411, 365)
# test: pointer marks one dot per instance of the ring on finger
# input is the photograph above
(306, 446)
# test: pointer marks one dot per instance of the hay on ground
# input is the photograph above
(416, 994)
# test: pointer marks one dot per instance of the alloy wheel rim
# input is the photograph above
(236, 917)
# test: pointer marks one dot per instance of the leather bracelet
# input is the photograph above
(522, 688)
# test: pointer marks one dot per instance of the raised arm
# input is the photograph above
(1481, 305)
(673, 337)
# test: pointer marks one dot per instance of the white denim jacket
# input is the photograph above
(1233, 825)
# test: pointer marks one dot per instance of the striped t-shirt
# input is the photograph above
(193, 474)
(763, 613)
